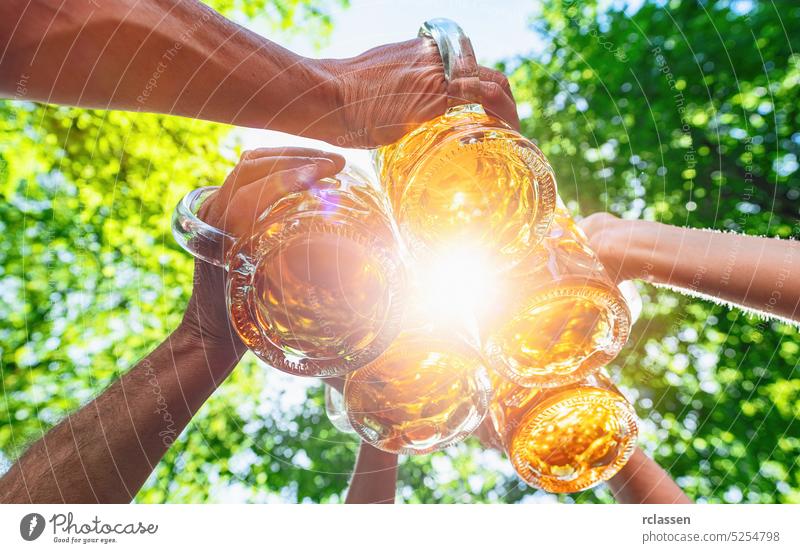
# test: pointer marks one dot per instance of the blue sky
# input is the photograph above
(497, 29)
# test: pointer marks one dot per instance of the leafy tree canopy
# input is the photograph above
(680, 112)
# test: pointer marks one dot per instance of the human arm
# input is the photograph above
(375, 474)
(181, 57)
(374, 477)
(762, 274)
(105, 451)
(642, 480)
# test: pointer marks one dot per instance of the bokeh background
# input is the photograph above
(683, 112)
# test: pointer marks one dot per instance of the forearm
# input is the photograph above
(105, 451)
(168, 56)
(749, 271)
(641, 480)
(374, 478)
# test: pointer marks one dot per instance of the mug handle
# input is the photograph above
(631, 295)
(458, 58)
(197, 237)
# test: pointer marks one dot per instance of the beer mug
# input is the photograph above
(426, 392)
(317, 287)
(466, 177)
(564, 317)
(568, 439)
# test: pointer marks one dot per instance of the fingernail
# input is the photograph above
(324, 163)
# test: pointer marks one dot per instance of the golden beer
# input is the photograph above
(317, 289)
(468, 179)
(564, 316)
(568, 439)
(424, 393)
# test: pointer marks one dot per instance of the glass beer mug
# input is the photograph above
(565, 317)
(426, 392)
(467, 177)
(316, 288)
(568, 439)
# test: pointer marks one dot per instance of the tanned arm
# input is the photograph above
(641, 480)
(106, 450)
(374, 478)
(181, 57)
(167, 56)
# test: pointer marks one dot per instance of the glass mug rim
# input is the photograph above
(479, 376)
(583, 394)
(433, 160)
(537, 199)
(591, 290)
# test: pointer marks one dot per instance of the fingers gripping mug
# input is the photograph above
(466, 177)
(316, 287)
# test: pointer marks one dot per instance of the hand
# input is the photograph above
(387, 91)
(608, 236)
(260, 178)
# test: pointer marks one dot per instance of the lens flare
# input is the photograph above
(458, 285)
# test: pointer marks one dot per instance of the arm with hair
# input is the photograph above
(181, 57)
(176, 57)
(104, 452)
(751, 272)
